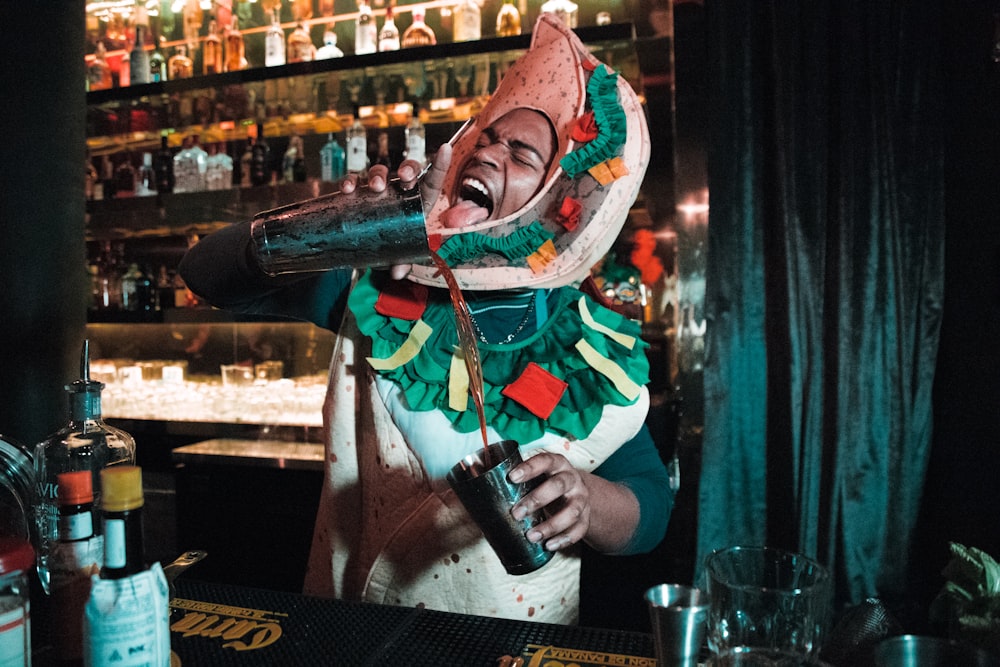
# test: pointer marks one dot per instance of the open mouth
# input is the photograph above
(474, 191)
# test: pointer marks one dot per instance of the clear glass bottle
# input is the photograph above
(157, 64)
(86, 442)
(218, 169)
(180, 66)
(300, 46)
(236, 58)
(418, 33)
(274, 43)
(508, 20)
(332, 160)
(99, 72)
(292, 163)
(388, 37)
(564, 10)
(329, 48)
(145, 182)
(468, 18)
(357, 146)
(416, 138)
(211, 50)
(139, 58)
(365, 30)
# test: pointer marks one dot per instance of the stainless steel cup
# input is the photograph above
(357, 230)
(488, 496)
(677, 615)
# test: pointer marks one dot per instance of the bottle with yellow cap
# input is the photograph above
(122, 516)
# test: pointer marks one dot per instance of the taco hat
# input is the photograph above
(602, 149)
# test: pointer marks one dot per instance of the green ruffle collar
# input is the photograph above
(598, 353)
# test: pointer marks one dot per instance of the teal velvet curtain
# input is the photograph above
(824, 281)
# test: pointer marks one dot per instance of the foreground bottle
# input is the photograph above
(84, 443)
(127, 618)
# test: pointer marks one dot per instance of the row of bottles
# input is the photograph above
(195, 169)
(223, 48)
(118, 285)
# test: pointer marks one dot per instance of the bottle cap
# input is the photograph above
(75, 488)
(15, 554)
(121, 488)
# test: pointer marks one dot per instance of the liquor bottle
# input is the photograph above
(218, 169)
(468, 21)
(127, 614)
(332, 160)
(125, 178)
(388, 37)
(90, 179)
(180, 65)
(382, 152)
(260, 162)
(76, 556)
(357, 146)
(246, 162)
(418, 33)
(139, 58)
(186, 169)
(300, 46)
(145, 183)
(508, 20)
(137, 290)
(84, 443)
(99, 72)
(163, 167)
(211, 51)
(293, 168)
(236, 58)
(564, 10)
(365, 31)
(157, 64)
(329, 48)
(416, 137)
(274, 43)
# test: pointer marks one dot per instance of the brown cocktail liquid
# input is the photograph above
(470, 350)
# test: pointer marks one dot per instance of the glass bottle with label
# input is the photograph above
(15, 600)
(163, 167)
(508, 20)
(300, 46)
(236, 58)
(274, 43)
(180, 65)
(329, 48)
(418, 33)
(365, 31)
(99, 72)
(139, 58)
(218, 168)
(332, 160)
(468, 18)
(357, 146)
(211, 51)
(388, 37)
(121, 512)
(145, 182)
(86, 442)
(416, 140)
(564, 10)
(157, 64)
(260, 161)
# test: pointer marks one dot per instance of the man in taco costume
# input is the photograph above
(537, 188)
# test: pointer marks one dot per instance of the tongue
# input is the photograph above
(464, 213)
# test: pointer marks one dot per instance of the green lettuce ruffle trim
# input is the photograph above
(462, 248)
(424, 379)
(612, 125)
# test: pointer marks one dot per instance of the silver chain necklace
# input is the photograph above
(520, 327)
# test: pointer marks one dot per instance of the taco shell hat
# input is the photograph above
(602, 149)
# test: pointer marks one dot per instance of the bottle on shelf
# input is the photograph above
(157, 63)
(87, 443)
(565, 10)
(418, 33)
(137, 290)
(508, 20)
(125, 68)
(382, 151)
(274, 42)
(416, 137)
(236, 58)
(329, 48)
(91, 180)
(180, 65)
(125, 178)
(145, 182)
(293, 164)
(76, 556)
(128, 609)
(163, 167)
(211, 50)
(218, 168)
(468, 21)
(300, 46)
(357, 146)
(246, 163)
(260, 161)
(108, 187)
(332, 160)
(365, 31)
(139, 70)
(99, 71)
(388, 37)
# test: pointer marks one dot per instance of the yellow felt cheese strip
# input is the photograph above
(609, 369)
(458, 382)
(407, 351)
(617, 336)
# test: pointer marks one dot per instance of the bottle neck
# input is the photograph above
(85, 405)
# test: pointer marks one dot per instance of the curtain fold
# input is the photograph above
(825, 280)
